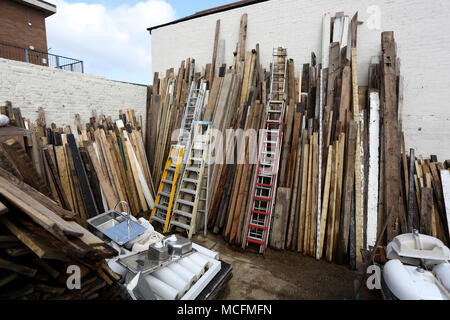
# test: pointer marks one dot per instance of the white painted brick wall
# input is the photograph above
(421, 29)
(64, 93)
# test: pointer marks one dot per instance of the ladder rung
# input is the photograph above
(180, 225)
(257, 227)
(196, 159)
(269, 173)
(262, 199)
(193, 169)
(170, 169)
(190, 180)
(164, 194)
(158, 219)
(182, 213)
(260, 212)
(255, 241)
(167, 181)
(264, 185)
(189, 191)
(185, 202)
(160, 207)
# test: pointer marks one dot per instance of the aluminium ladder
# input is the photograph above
(192, 114)
(177, 158)
(166, 192)
(266, 176)
(195, 180)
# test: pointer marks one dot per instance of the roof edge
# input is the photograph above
(46, 7)
(208, 12)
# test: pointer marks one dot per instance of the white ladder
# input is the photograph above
(193, 181)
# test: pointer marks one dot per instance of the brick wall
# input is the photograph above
(421, 31)
(64, 93)
(14, 29)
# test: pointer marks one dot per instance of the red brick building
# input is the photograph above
(22, 26)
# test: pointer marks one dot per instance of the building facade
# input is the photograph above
(22, 29)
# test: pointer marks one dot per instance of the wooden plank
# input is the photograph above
(358, 181)
(93, 179)
(51, 183)
(242, 37)
(326, 34)
(374, 144)
(79, 206)
(137, 176)
(293, 209)
(63, 173)
(23, 270)
(112, 163)
(34, 242)
(103, 180)
(281, 209)
(308, 199)
(88, 197)
(325, 204)
(426, 211)
(40, 214)
(208, 112)
(145, 167)
(440, 202)
(36, 154)
(214, 56)
(25, 166)
(332, 202)
(130, 190)
(445, 178)
(391, 136)
(56, 180)
(344, 229)
(129, 174)
(314, 194)
(5, 279)
(3, 209)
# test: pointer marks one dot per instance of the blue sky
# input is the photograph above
(111, 36)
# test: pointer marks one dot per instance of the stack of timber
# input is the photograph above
(426, 194)
(84, 169)
(41, 247)
(341, 143)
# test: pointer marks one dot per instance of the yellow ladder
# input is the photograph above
(167, 187)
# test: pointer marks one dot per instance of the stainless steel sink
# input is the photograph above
(114, 226)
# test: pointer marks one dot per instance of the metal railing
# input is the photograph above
(40, 58)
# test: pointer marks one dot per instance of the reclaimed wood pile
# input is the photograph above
(343, 183)
(51, 181)
(39, 244)
(86, 169)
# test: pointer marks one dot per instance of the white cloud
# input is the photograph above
(112, 42)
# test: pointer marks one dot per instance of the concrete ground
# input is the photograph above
(282, 275)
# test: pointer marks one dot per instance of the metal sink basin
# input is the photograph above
(114, 226)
